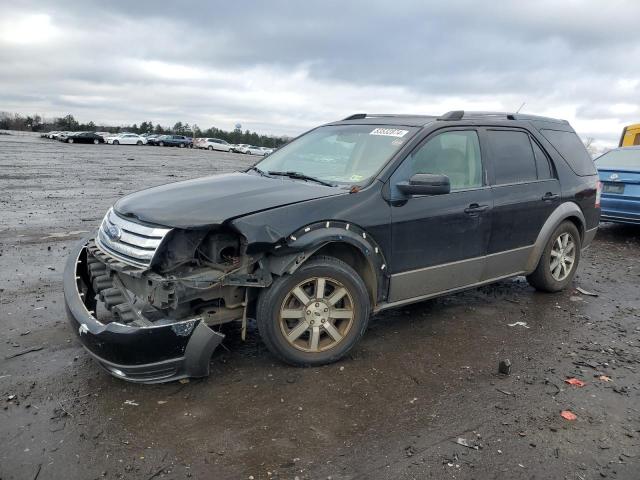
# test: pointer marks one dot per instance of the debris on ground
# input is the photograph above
(568, 415)
(575, 382)
(24, 352)
(466, 443)
(519, 324)
(131, 402)
(504, 367)
(586, 292)
(604, 378)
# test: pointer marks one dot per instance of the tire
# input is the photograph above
(70, 140)
(116, 142)
(548, 278)
(328, 347)
(139, 142)
(182, 145)
(161, 144)
(210, 148)
(96, 141)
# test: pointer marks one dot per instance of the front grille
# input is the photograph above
(130, 242)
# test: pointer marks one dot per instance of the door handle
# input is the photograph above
(550, 196)
(474, 209)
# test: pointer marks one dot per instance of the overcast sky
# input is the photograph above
(283, 66)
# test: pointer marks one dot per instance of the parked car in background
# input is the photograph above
(619, 172)
(630, 135)
(63, 136)
(267, 150)
(85, 137)
(127, 139)
(253, 150)
(174, 141)
(104, 135)
(214, 144)
(153, 139)
(240, 148)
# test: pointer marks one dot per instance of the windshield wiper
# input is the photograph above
(256, 169)
(300, 176)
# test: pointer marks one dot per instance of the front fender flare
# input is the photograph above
(304, 242)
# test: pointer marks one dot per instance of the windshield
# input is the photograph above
(620, 159)
(339, 154)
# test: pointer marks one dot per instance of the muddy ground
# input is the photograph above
(423, 377)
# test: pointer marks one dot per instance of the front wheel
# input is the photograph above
(182, 145)
(559, 260)
(116, 142)
(70, 140)
(316, 315)
(139, 142)
(161, 144)
(210, 147)
(96, 141)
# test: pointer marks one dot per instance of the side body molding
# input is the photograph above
(304, 242)
(561, 213)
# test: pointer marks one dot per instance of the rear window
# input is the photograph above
(512, 157)
(620, 159)
(572, 150)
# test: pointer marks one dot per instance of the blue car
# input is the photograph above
(619, 172)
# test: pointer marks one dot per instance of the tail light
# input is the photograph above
(598, 193)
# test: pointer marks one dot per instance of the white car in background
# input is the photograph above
(253, 150)
(127, 139)
(215, 144)
(267, 150)
(240, 148)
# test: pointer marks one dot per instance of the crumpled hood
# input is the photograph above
(212, 200)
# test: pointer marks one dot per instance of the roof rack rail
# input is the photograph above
(452, 115)
(355, 116)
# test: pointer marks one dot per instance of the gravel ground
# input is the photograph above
(421, 384)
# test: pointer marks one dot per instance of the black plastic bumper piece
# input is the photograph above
(153, 354)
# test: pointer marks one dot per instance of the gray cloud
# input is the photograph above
(282, 66)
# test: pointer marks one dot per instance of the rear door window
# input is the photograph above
(512, 156)
(571, 148)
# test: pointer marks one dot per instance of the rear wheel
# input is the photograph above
(316, 315)
(96, 141)
(116, 142)
(559, 260)
(70, 140)
(139, 142)
(182, 145)
(161, 144)
(210, 147)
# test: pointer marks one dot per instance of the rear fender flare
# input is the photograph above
(564, 211)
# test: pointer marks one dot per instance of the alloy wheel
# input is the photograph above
(563, 256)
(316, 314)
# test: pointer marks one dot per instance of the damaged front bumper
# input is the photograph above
(149, 354)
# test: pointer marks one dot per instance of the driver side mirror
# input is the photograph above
(425, 184)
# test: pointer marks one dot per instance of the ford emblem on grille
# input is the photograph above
(113, 232)
(614, 176)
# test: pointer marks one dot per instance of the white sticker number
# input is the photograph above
(389, 132)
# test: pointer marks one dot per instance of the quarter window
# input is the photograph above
(542, 162)
(512, 156)
(455, 154)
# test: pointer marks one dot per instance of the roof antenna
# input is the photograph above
(523, 104)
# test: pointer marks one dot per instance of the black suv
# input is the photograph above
(351, 218)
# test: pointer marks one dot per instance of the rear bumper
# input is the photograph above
(153, 354)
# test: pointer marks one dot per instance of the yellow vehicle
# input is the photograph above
(630, 135)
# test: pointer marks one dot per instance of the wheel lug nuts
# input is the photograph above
(317, 304)
(308, 312)
(323, 320)
(326, 309)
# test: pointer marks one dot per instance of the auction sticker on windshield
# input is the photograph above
(389, 132)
